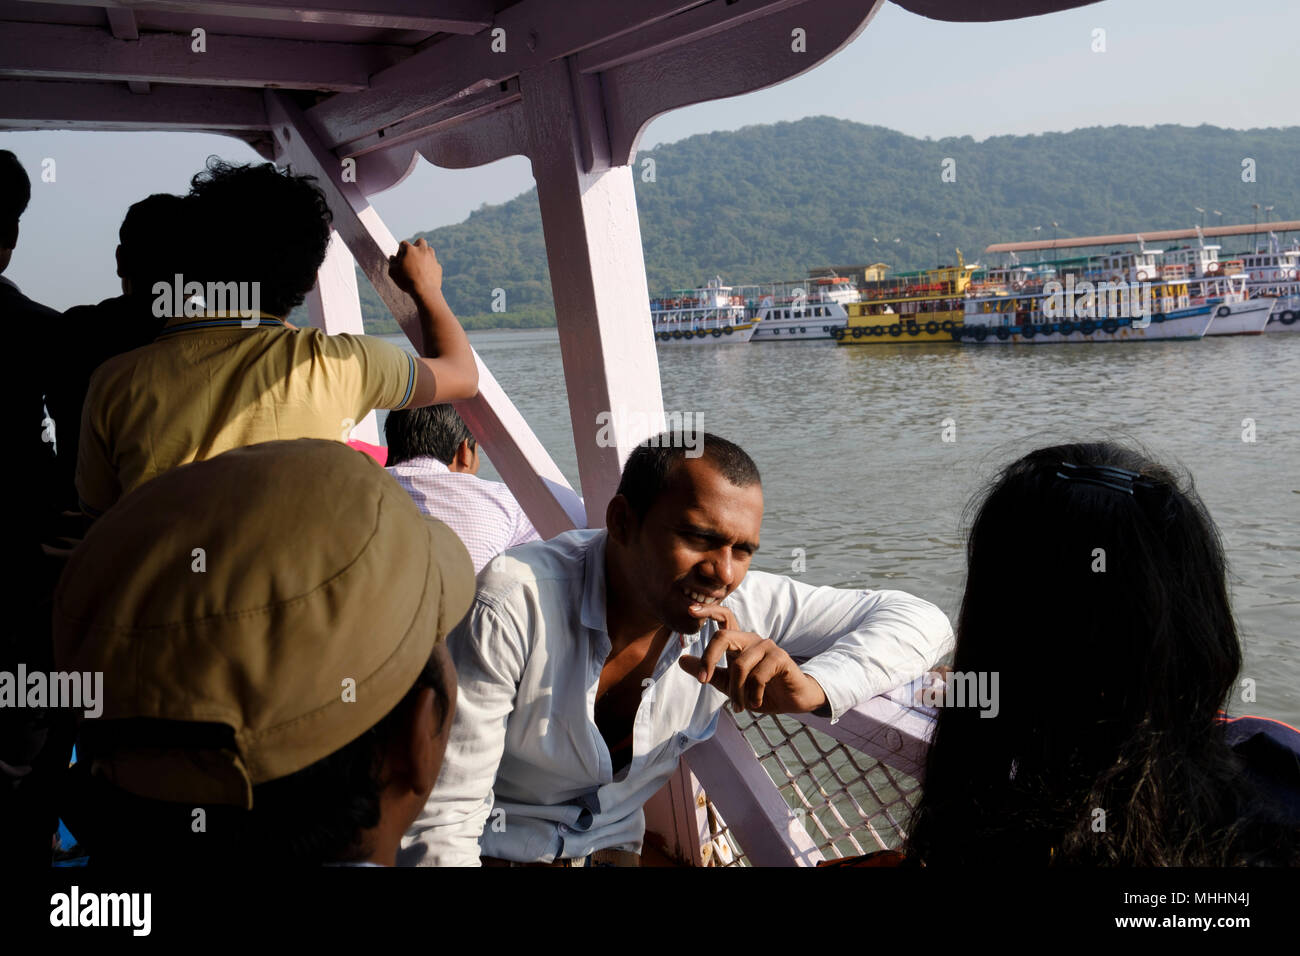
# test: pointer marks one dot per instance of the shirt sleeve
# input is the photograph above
(489, 656)
(524, 530)
(855, 644)
(384, 373)
(98, 487)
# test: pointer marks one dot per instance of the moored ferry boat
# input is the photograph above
(909, 307)
(1107, 312)
(792, 312)
(713, 314)
(1274, 273)
(1237, 315)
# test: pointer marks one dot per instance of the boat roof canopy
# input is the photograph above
(388, 78)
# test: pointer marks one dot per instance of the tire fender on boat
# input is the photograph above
(1222, 311)
(931, 328)
(895, 330)
(1109, 326)
(1287, 317)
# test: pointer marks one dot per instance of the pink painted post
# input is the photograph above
(769, 831)
(334, 306)
(519, 457)
(602, 304)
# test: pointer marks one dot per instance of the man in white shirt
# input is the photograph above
(434, 457)
(589, 664)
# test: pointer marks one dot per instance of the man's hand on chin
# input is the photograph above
(759, 675)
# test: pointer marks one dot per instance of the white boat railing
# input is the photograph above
(795, 790)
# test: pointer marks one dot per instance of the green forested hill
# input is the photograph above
(768, 202)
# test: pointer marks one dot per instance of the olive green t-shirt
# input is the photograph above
(205, 386)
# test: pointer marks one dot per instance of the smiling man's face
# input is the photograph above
(695, 543)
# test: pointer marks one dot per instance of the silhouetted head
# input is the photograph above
(434, 431)
(15, 193)
(1096, 593)
(682, 526)
(261, 224)
(155, 242)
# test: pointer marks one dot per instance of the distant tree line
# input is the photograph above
(769, 202)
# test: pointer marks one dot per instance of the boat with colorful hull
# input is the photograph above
(1041, 317)
(926, 306)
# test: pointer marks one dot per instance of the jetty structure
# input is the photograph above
(354, 92)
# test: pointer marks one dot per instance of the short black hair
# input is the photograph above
(153, 236)
(261, 224)
(318, 814)
(15, 194)
(649, 468)
(315, 816)
(435, 431)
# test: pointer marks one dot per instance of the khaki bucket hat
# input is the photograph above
(289, 591)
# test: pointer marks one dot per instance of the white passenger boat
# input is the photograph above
(1285, 316)
(792, 312)
(1273, 272)
(1241, 316)
(714, 314)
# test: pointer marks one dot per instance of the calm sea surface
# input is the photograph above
(856, 474)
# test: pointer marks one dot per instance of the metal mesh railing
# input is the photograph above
(849, 803)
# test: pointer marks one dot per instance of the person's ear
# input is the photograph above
(463, 460)
(421, 756)
(619, 519)
(121, 266)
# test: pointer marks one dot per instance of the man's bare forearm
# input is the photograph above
(444, 338)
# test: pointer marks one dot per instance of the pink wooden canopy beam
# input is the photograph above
(334, 306)
(519, 457)
(445, 16)
(62, 52)
(33, 104)
(602, 303)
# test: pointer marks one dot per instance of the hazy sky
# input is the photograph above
(1166, 61)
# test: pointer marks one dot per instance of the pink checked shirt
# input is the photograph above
(484, 515)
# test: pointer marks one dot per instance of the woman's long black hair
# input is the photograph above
(1105, 615)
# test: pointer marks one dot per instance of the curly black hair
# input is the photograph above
(258, 223)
